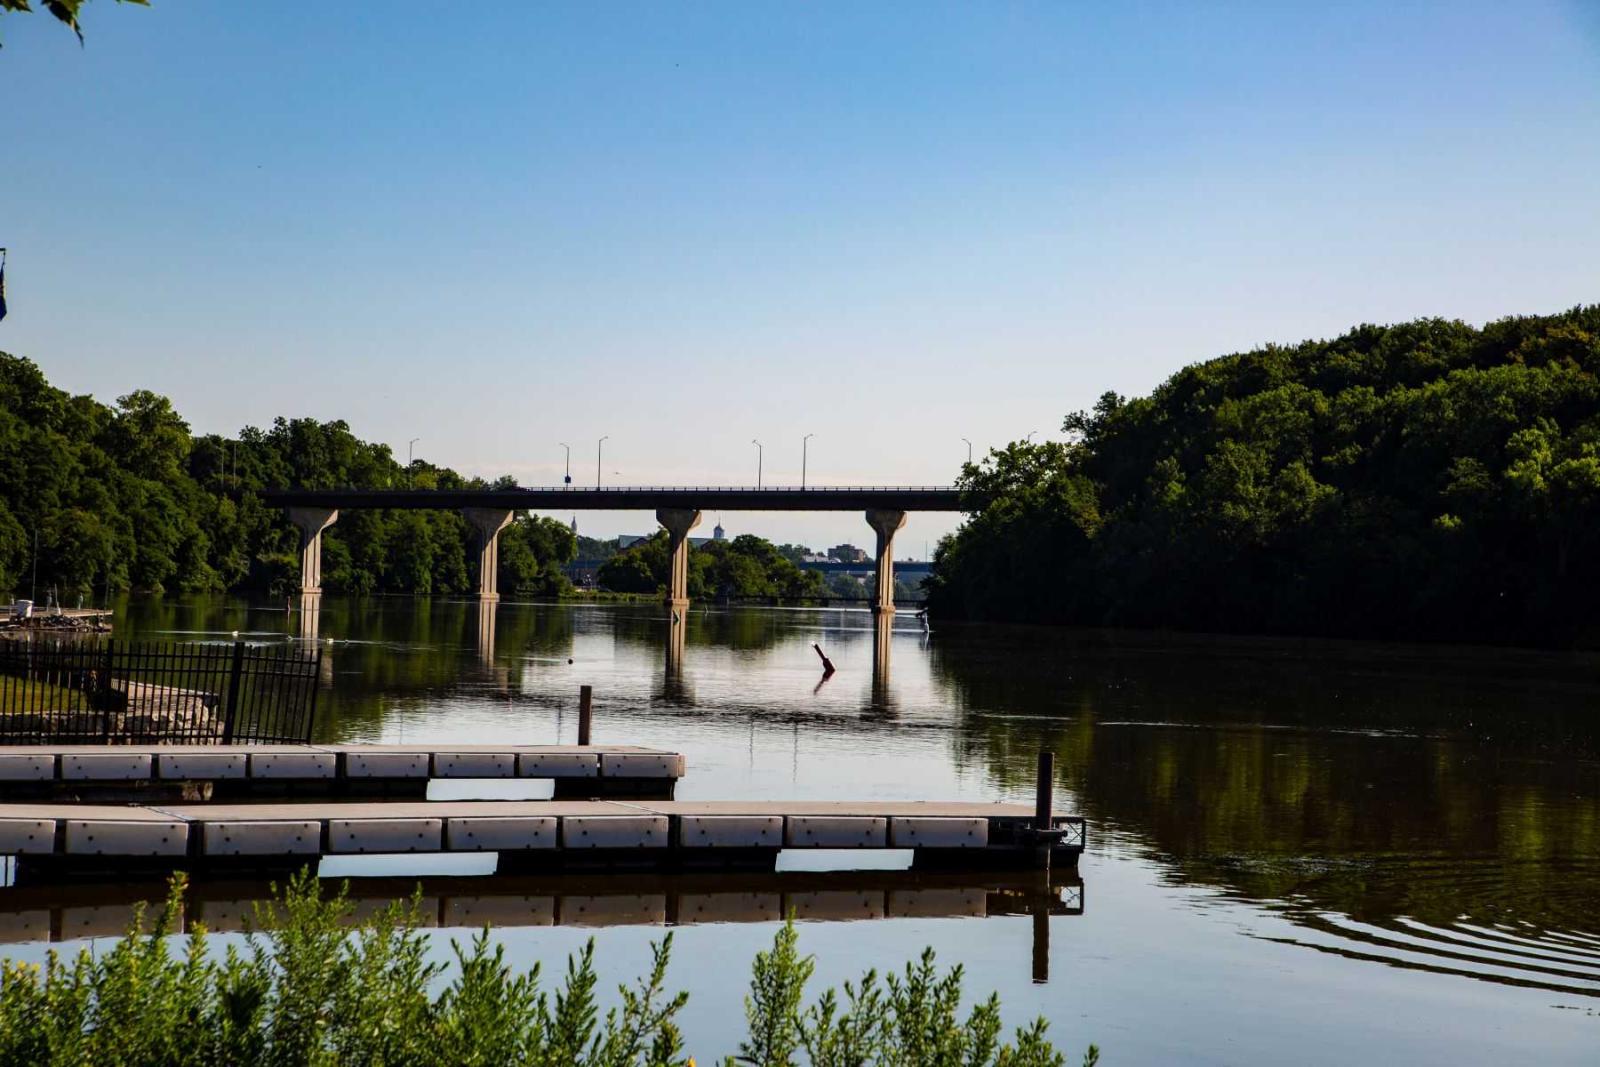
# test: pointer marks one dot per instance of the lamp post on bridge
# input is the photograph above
(567, 479)
(805, 443)
(761, 454)
(599, 448)
(969, 452)
(410, 477)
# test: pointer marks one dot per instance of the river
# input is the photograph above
(1299, 851)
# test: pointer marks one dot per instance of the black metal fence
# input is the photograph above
(105, 691)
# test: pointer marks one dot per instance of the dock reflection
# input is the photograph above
(67, 912)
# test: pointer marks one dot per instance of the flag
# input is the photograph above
(2, 283)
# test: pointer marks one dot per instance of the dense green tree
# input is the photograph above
(747, 566)
(126, 496)
(532, 553)
(1425, 480)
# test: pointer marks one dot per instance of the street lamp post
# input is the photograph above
(760, 457)
(969, 452)
(599, 449)
(567, 480)
(410, 477)
(805, 443)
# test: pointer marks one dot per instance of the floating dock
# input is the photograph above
(218, 772)
(56, 840)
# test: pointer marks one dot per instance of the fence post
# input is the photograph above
(585, 712)
(103, 695)
(235, 673)
(311, 702)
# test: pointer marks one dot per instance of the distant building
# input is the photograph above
(847, 554)
(719, 534)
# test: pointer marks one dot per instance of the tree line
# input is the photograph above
(98, 498)
(102, 497)
(1427, 480)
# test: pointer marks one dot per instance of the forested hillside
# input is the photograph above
(126, 496)
(1427, 480)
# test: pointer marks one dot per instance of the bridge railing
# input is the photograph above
(722, 489)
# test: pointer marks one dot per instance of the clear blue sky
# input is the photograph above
(500, 226)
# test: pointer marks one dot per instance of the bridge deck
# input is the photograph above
(633, 498)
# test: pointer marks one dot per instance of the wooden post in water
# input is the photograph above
(585, 712)
(1044, 806)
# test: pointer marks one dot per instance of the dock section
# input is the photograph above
(66, 839)
(193, 773)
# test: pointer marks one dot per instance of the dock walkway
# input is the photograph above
(527, 835)
(206, 772)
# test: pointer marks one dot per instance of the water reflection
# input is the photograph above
(882, 636)
(59, 913)
(1431, 809)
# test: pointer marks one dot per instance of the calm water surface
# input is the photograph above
(1305, 852)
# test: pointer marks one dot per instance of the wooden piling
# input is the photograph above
(585, 712)
(1044, 806)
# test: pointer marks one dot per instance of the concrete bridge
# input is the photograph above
(677, 509)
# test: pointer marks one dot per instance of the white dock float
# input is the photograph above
(285, 837)
(496, 833)
(835, 831)
(614, 830)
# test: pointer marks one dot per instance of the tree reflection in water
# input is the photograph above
(1428, 807)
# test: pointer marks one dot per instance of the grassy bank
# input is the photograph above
(311, 987)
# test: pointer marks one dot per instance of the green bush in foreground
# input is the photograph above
(309, 989)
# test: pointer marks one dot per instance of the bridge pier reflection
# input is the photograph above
(487, 611)
(674, 687)
(882, 634)
(308, 620)
(307, 626)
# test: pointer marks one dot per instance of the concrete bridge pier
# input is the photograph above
(311, 522)
(678, 523)
(488, 522)
(885, 522)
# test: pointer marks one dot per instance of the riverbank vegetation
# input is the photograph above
(103, 498)
(307, 989)
(1429, 480)
(744, 566)
(124, 497)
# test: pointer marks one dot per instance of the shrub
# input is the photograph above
(309, 990)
